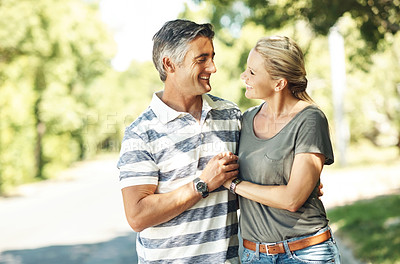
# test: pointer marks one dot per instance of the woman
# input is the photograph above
(284, 144)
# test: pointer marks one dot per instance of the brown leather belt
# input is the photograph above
(278, 248)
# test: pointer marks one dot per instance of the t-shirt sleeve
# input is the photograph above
(136, 164)
(313, 136)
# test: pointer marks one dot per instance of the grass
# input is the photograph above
(373, 227)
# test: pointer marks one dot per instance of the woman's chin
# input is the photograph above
(249, 95)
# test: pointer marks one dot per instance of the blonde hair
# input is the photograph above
(284, 59)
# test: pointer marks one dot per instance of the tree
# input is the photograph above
(50, 51)
(374, 18)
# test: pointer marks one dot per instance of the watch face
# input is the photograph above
(201, 186)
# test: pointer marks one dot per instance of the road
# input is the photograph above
(78, 217)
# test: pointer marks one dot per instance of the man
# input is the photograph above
(177, 154)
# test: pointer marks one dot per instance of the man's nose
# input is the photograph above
(211, 67)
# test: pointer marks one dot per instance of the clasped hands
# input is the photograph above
(220, 170)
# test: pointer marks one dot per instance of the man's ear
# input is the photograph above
(169, 66)
(280, 84)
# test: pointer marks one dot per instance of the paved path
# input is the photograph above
(78, 218)
(345, 186)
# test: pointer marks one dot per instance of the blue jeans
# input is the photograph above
(326, 252)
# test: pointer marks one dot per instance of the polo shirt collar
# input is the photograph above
(166, 114)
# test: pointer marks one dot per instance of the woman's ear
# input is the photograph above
(280, 84)
(169, 66)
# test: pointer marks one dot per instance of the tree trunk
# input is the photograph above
(39, 86)
(398, 143)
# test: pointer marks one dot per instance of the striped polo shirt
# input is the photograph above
(169, 149)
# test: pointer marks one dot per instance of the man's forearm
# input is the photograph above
(144, 208)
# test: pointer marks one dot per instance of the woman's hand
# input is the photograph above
(320, 191)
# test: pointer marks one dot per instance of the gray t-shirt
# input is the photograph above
(269, 162)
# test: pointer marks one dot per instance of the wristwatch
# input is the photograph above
(233, 185)
(201, 187)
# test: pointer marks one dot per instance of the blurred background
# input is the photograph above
(74, 73)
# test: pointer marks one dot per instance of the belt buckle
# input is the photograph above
(266, 248)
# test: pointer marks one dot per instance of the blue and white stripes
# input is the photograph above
(169, 149)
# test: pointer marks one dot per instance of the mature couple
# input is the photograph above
(179, 175)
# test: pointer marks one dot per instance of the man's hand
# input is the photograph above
(219, 169)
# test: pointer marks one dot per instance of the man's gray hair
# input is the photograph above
(173, 39)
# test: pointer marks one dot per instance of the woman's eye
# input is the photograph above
(251, 72)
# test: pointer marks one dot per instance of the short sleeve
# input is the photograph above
(313, 136)
(136, 164)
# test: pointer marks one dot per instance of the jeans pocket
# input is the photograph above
(325, 252)
(247, 256)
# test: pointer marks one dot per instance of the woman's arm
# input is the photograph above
(304, 176)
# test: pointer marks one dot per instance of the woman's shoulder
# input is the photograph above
(312, 115)
(313, 110)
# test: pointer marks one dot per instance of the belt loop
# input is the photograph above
(330, 231)
(286, 246)
(258, 251)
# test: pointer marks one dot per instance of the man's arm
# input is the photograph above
(144, 208)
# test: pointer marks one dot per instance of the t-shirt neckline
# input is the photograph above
(290, 121)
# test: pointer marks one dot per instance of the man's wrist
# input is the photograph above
(201, 187)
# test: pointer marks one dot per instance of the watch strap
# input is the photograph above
(234, 183)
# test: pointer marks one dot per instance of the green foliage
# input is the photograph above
(373, 18)
(60, 99)
(117, 99)
(373, 103)
(373, 226)
(50, 51)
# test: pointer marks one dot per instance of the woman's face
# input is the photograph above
(259, 84)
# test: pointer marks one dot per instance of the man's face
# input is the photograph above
(193, 74)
